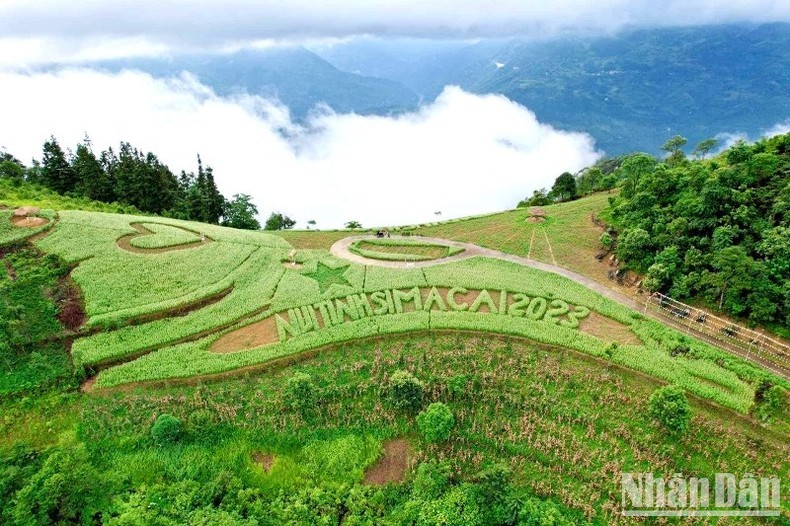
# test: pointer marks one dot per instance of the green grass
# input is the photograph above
(16, 193)
(567, 236)
(401, 249)
(164, 236)
(314, 239)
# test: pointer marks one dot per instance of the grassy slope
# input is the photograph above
(568, 230)
(559, 418)
(119, 285)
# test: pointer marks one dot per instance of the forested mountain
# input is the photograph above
(630, 91)
(297, 77)
(714, 230)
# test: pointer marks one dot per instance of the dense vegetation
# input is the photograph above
(33, 293)
(715, 230)
(539, 437)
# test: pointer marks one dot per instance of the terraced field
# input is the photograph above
(169, 299)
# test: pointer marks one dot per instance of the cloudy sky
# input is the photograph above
(152, 26)
(462, 154)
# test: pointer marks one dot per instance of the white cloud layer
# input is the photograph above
(464, 154)
(64, 30)
(728, 139)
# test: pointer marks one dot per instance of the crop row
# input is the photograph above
(193, 358)
(118, 285)
(254, 284)
(164, 236)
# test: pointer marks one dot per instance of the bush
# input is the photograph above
(606, 240)
(436, 423)
(405, 391)
(166, 430)
(300, 392)
(768, 401)
(670, 407)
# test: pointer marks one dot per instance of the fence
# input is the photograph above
(755, 344)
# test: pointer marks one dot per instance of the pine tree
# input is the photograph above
(92, 180)
(56, 173)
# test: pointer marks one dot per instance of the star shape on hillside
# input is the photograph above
(327, 276)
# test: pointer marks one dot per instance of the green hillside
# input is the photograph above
(279, 368)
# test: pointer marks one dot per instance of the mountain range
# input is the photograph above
(630, 91)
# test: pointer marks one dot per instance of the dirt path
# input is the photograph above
(125, 243)
(340, 250)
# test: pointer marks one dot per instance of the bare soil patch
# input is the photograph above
(255, 335)
(29, 222)
(392, 466)
(294, 266)
(608, 329)
(26, 211)
(535, 219)
(264, 460)
(87, 385)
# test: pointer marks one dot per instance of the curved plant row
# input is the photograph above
(704, 370)
(10, 234)
(402, 249)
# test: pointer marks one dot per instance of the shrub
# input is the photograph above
(768, 400)
(436, 423)
(300, 393)
(606, 240)
(405, 391)
(670, 407)
(166, 430)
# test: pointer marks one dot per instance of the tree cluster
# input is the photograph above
(134, 178)
(568, 187)
(716, 230)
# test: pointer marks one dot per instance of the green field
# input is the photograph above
(158, 314)
(211, 325)
(401, 249)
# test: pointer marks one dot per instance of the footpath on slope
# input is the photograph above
(341, 250)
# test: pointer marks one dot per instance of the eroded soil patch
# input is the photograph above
(29, 222)
(393, 464)
(608, 330)
(264, 460)
(254, 335)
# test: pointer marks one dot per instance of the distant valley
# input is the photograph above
(630, 91)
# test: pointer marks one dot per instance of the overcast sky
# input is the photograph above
(32, 31)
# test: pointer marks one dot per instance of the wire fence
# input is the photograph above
(754, 343)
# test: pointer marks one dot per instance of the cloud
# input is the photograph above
(464, 154)
(729, 139)
(87, 26)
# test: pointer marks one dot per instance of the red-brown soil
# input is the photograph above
(29, 222)
(264, 460)
(392, 466)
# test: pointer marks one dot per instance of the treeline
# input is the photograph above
(134, 178)
(604, 175)
(713, 230)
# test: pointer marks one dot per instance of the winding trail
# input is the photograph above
(125, 242)
(341, 250)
